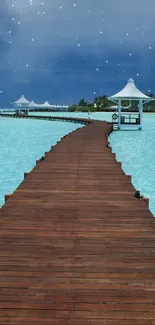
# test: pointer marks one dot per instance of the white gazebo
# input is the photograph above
(21, 104)
(33, 105)
(57, 107)
(131, 93)
(65, 108)
(45, 105)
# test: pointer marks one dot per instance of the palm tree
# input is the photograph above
(82, 102)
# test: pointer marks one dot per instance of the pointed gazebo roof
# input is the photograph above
(46, 104)
(32, 104)
(130, 91)
(22, 100)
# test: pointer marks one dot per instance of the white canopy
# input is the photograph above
(45, 105)
(22, 101)
(32, 104)
(130, 91)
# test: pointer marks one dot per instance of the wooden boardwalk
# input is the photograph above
(76, 247)
(74, 119)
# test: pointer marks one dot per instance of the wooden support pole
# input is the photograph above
(119, 114)
(140, 113)
(129, 177)
(7, 197)
(25, 174)
(146, 200)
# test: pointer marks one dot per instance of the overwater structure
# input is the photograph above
(76, 247)
(21, 104)
(24, 105)
(129, 93)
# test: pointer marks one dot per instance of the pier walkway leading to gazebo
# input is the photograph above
(76, 247)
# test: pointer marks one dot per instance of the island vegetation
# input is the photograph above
(103, 104)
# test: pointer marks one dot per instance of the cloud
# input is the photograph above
(45, 35)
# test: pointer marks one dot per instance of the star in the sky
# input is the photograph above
(38, 28)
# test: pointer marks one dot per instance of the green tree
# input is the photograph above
(82, 102)
(72, 108)
(102, 102)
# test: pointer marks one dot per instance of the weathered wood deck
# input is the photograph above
(76, 247)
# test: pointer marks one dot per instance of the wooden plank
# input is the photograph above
(76, 247)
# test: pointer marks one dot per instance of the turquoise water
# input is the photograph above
(22, 143)
(98, 116)
(136, 151)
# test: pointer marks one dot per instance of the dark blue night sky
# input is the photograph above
(63, 50)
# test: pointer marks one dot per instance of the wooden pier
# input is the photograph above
(75, 119)
(76, 247)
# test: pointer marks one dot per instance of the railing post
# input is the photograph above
(7, 197)
(146, 200)
(129, 177)
(25, 174)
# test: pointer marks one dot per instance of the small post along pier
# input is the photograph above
(133, 119)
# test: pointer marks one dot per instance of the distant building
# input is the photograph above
(23, 104)
(130, 93)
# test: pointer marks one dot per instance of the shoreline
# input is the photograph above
(51, 111)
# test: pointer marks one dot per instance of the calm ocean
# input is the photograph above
(24, 141)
